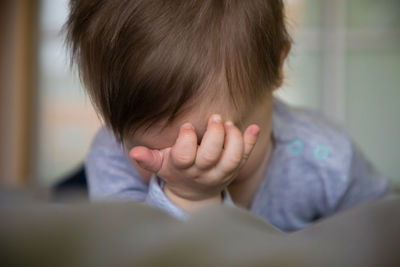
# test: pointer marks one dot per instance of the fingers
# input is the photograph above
(148, 159)
(183, 153)
(223, 148)
(233, 149)
(250, 138)
(212, 143)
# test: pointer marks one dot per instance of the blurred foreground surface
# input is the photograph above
(37, 233)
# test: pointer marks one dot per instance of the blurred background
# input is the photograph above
(345, 63)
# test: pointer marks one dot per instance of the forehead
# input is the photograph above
(159, 137)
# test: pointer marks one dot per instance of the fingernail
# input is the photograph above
(217, 118)
(255, 130)
(187, 126)
(228, 123)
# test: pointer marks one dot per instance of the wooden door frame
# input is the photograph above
(19, 20)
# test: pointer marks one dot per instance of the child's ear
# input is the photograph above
(285, 52)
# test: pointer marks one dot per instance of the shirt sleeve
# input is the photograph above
(364, 182)
(109, 172)
(111, 176)
(157, 198)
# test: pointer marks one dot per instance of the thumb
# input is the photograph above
(148, 159)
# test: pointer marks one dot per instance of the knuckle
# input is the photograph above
(182, 160)
(236, 132)
(250, 142)
(187, 135)
(186, 140)
(216, 144)
(219, 130)
(235, 159)
(207, 159)
(245, 157)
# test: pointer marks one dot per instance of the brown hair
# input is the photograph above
(143, 61)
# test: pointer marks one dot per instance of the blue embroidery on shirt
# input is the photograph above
(321, 152)
(296, 146)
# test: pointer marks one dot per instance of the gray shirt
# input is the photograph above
(315, 170)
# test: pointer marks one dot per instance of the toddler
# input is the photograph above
(185, 90)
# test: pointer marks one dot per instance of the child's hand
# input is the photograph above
(195, 172)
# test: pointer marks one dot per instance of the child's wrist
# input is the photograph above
(189, 205)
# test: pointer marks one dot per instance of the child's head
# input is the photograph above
(147, 63)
